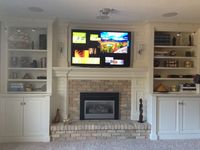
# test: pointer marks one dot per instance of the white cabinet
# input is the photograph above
(13, 119)
(190, 115)
(168, 115)
(36, 116)
(178, 117)
(25, 118)
(27, 56)
(26, 77)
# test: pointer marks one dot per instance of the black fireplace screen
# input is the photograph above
(99, 106)
(99, 109)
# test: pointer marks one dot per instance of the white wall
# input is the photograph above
(61, 35)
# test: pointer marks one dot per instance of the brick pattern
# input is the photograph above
(96, 130)
(121, 86)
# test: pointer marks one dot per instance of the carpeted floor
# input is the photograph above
(110, 144)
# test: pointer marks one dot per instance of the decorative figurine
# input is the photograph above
(174, 40)
(34, 64)
(28, 87)
(141, 111)
(67, 120)
(32, 44)
(27, 76)
(57, 118)
(190, 40)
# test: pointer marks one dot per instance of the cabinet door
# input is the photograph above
(36, 116)
(13, 116)
(168, 115)
(191, 115)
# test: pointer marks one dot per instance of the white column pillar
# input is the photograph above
(65, 105)
(66, 101)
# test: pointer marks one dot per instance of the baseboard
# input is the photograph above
(178, 136)
(25, 139)
(153, 136)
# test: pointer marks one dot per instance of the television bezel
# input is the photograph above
(130, 48)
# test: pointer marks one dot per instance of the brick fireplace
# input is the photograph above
(128, 82)
(123, 87)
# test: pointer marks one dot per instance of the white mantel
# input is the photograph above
(100, 73)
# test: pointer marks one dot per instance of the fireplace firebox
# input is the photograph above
(98, 106)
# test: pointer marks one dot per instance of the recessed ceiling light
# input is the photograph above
(170, 14)
(35, 9)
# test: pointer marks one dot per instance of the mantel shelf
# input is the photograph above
(100, 73)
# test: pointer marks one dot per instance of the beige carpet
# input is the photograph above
(110, 144)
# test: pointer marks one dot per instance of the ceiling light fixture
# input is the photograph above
(170, 14)
(104, 13)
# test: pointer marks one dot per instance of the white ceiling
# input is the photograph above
(129, 11)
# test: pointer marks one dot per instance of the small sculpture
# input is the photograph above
(190, 40)
(67, 120)
(44, 87)
(57, 118)
(141, 111)
(174, 40)
(32, 44)
(27, 76)
(34, 64)
(28, 87)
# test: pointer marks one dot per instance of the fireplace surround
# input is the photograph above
(99, 105)
(100, 86)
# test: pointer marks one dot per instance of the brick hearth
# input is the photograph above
(94, 129)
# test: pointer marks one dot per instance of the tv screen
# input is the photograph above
(100, 48)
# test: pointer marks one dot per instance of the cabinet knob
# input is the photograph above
(181, 103)
(22, 103)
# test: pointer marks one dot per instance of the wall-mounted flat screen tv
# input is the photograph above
(99, 48)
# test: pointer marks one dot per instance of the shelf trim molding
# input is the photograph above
(173, 57)
(157, 68)
(27, 50)
(171, 46)
(27, 80)
(173, 79)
